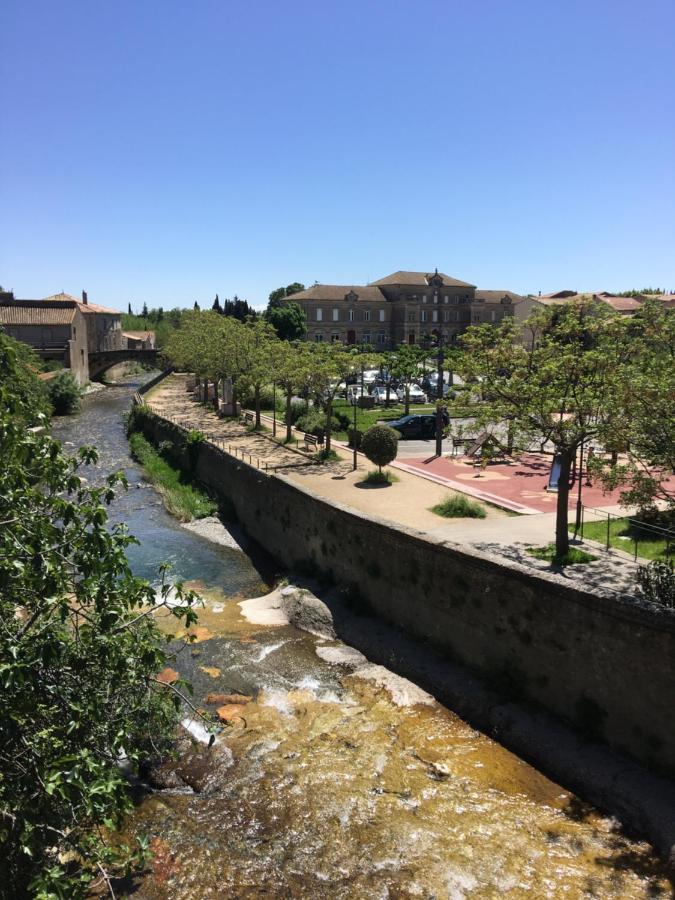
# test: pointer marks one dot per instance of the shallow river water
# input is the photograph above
(323, 786)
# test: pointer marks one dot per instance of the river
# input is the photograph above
(325, 785)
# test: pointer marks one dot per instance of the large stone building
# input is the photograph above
(402, 308)
(62, 328)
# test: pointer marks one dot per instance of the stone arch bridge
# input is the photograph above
(103, 360)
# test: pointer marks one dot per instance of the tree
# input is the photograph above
(160, 314)
(216, 305)
(294, 372)
(64, 394)
(144, 313)
(262, 360)
(567, 390)
(408, 367)
(129, 309)
(331, 365)
(79, 654)
(644, 430)
(289, 321)
(196, 306)
(380, 445)
(19, 365)
(276, 298)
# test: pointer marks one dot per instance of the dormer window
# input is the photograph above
(351, 296)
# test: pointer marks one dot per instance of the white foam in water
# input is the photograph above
(197, 730)
(277, 699)
(270, 648)
(459, 883)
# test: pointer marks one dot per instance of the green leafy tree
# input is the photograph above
(65, 394)
(261, 364)
(567, 390)
(289, 321)
(144, 313)
(19, 366)
(79, 655)
(380, 445)
(330, 367)
(408, 367)
(276, 298)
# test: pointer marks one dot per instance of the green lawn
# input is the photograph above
(573, 557)
(622, 537)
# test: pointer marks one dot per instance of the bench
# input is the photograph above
(311, 441)
(246, 419)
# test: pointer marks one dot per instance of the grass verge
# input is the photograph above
(622, 536)
(183, 500)
(573, 557)
(458, 506)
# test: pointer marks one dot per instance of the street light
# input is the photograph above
(274, 409)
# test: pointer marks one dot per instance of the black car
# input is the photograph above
(420, 427)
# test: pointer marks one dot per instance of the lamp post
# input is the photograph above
(274, 409)
(355, 463)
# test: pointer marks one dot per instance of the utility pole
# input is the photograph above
(440, 359)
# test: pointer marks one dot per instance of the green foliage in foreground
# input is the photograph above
(657, 583)
(459, 506)
(183, 500)
(573, 557)
(79, 653)
(65, 394)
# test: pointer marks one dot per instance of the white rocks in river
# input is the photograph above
(402, 691)
(213, 530)
(267, 610)
(342, 655)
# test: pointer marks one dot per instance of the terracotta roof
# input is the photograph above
(85, 307)
(496, 296)
(334, 292)
(620, 304)
(419, 279)
(139, 335)
(33, 313)
(557, 295)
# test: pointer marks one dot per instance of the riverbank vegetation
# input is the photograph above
(183, 499)
(79, 655)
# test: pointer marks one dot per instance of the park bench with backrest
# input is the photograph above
(311, 441)
(246, 419)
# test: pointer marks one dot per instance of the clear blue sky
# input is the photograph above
(165, 151)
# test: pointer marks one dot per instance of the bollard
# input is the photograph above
(607, 532)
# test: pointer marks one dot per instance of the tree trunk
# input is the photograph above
(562, 535)
(256, 395)
(289, 394)
(329, 416)
(407, 400)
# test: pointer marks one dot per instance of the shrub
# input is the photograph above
(298, 408)
(574, 556)
(656, 583)
(64, 394)
(247, 397)
(376, 476)
(459, 506)
(380, 445)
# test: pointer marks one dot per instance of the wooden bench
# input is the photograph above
(311, 441)
(246, 419)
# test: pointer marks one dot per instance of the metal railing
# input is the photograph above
(635, 532)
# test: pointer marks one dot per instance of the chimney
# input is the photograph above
(84, 298)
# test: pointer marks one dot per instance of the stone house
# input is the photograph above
(402, 308)
(139, 340)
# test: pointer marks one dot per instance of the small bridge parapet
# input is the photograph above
(103, 360)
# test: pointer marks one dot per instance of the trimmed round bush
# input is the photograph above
(380, 445)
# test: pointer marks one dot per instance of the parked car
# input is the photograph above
(355, 392)
(415, 426)
(417, 395)
(380, 395)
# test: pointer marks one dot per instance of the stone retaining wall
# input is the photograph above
(605, 665)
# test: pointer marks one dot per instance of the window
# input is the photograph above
(336, 315)
(366, 337)
(318, 337)
(493, 316)
(366, 315)
(435, 298)
(434, 315)
(335, 336)
(411, 316)
(351, 315)
(424, 298)
(319, 315)
(382, 337)
(424, 315)
(446, 315)
(446, 299)
(381, 315)
(476, 317)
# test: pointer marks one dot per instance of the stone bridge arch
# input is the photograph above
(103, 360)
